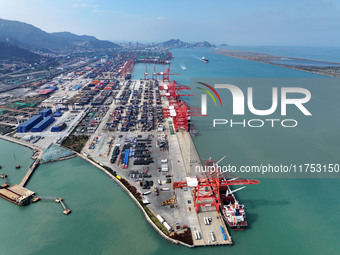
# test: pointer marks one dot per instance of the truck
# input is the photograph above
(156, 190)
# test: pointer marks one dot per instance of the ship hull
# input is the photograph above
(230, 199)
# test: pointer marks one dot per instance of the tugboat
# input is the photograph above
(205, 60)
(192, 130)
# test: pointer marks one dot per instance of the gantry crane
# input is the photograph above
(207, 190)
(166, 74)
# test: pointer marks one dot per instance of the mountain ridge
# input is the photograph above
(9, 52)
(30, 37)
(177, 43)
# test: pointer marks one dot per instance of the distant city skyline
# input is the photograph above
(247, 22)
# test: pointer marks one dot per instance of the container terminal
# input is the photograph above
(138, 131)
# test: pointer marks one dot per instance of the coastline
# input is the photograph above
(28, 145)
(114, 178)
(35, 149)
(332, 71)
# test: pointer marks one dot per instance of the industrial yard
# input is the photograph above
(138, 130)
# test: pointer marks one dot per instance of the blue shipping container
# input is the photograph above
(53, 88)
(57, 114)
(58, 128)
(43, 124)
(46, 112)
(28, 124)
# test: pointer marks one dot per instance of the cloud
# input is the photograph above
(94, 8)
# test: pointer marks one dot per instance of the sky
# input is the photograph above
(235, 22)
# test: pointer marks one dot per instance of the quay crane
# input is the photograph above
(207, 190)
(166, 74)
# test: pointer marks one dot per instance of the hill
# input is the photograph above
(14, 53)
(86, 40)
(30, 37)
(176, 43)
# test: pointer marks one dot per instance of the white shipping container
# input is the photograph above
(160, 218)
(167, 226)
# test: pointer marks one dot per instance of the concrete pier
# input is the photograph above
(38, 152)
(30, 172)
(59, 200)
(186, 158)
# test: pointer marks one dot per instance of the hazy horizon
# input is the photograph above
(261, 23)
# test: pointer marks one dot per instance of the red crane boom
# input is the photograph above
(207, 190)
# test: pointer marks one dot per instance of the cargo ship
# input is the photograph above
(232, 211)
(204, 60)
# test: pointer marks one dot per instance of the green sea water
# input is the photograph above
(286, 216)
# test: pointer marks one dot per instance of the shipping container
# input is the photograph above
(43, 124)
(28, 124)
(161, 220)
(59, 127)
(57, 114)
(46, 112)
(167, 226)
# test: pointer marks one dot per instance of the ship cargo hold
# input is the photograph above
(28, 124)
